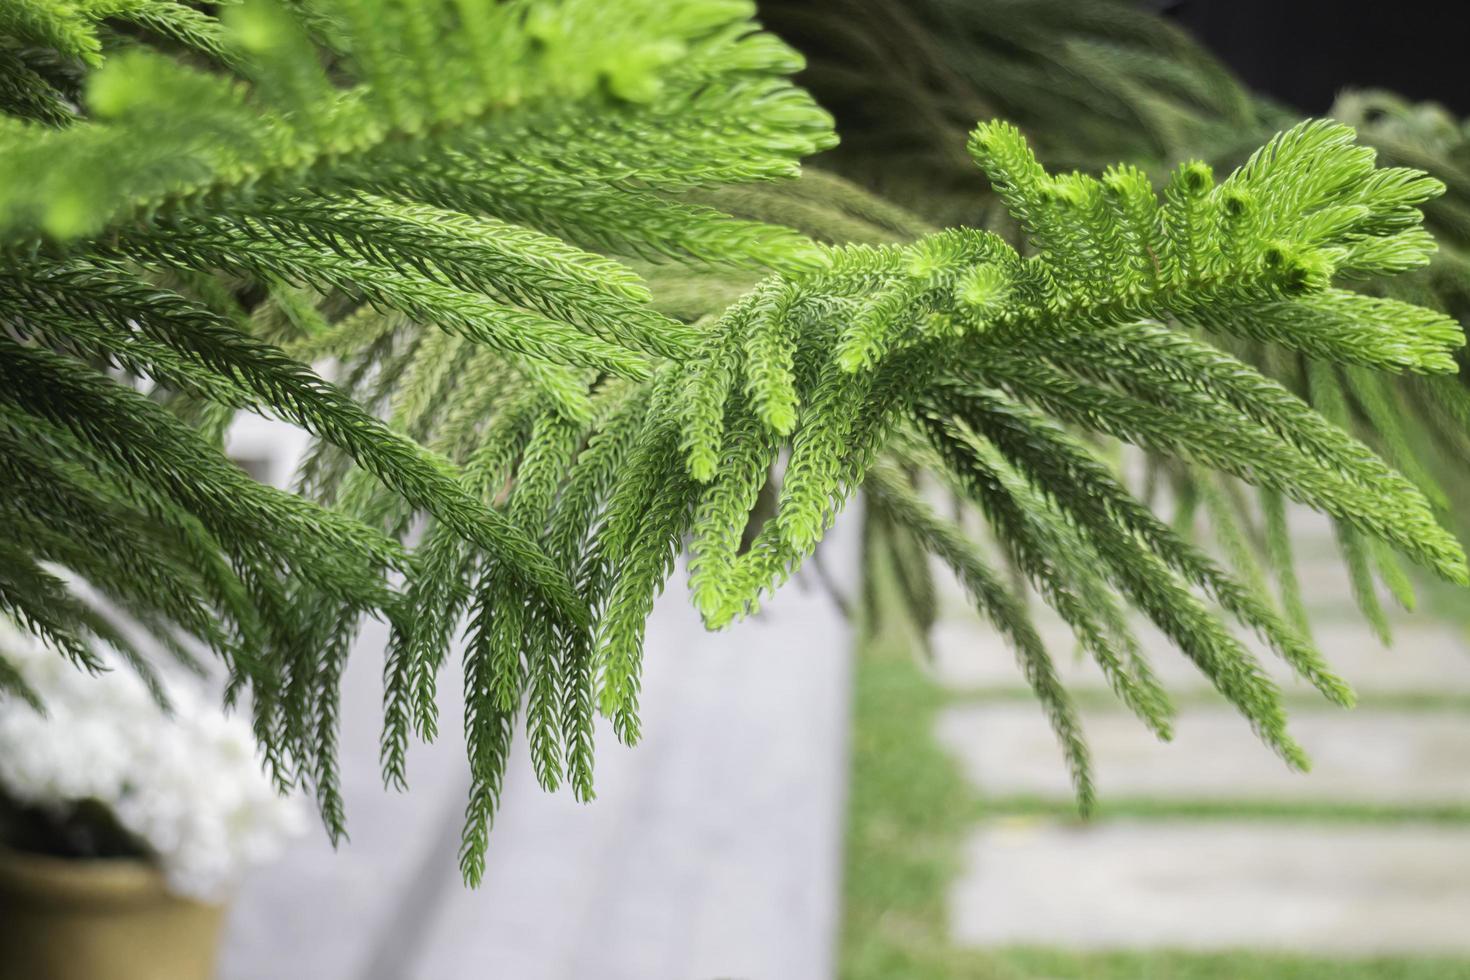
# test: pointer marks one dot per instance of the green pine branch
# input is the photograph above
(516, 438)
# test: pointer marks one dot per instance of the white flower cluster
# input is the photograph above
(190, 785)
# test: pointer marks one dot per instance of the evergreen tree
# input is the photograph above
(450, 202)
(1097, 80)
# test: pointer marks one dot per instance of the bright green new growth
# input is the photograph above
(517, 444)
(1091, 81)
(942, 343)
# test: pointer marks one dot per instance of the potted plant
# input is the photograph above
(126, 814)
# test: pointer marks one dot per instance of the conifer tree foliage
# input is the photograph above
(1096, 80)
(208, 202)
(448, 201)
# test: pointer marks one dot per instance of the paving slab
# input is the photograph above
(1426, 653)
(1332, 889)
(1360, 756)
(307, 914)
(713, 849)
(1427, 656)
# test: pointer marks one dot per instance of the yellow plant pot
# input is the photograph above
(100, 920)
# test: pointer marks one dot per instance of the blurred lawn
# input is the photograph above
(910, 808)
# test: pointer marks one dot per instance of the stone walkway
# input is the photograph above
(713, 850)
(1221, 846)
(1341, 890)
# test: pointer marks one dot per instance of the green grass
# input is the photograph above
(909, 810)
(1316, 811)
(908, 807)
(1029, 964)
(1294, 700)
